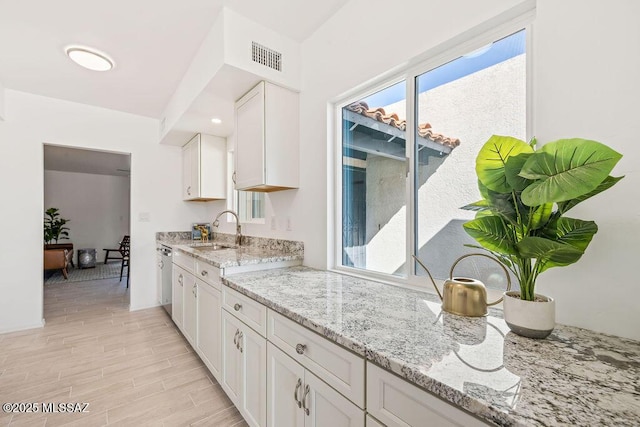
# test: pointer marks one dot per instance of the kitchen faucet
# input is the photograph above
(216, 224)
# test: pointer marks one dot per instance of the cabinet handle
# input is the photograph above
(240, 341)
(295, 393)
(237, 306)
(304, 399)
(235, 338)
(195, 291)
(189, 190)
(204, 273)
(180, 279)
(161, 264)
(233, 177)
(300, 348)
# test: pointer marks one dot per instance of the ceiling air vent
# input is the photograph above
(265, 56)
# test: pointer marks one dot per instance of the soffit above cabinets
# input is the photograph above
(235, 55)
(216, 100)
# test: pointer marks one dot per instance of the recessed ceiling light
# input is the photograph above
(216, 121)
(89, 58)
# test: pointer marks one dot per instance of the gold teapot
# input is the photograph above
(462, 295)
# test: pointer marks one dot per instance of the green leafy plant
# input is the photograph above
(525, 195)
(54, 226)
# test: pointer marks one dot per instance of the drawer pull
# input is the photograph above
(300, 348)
(235, 338)
(237, 306)
(295, 393)
(304, 399)
(203, 273)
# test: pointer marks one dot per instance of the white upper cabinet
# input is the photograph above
(204, 171)
(267, 136)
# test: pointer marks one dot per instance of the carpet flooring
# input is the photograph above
(101, 271)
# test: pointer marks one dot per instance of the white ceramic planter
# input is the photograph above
(532, 319)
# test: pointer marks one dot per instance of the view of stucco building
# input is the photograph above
(463, 113)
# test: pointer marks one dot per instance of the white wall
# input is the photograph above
(584, 85)
(2, 112)
(96, 205)
(155, 189)
(576, 95)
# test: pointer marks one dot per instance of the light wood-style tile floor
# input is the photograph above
(132, 368)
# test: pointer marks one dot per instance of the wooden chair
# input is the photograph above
(124, 251)
(107, 257)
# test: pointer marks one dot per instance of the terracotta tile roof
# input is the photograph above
(424, 129)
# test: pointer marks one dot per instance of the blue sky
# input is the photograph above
(500, 51)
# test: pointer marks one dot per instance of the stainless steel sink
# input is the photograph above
(210, 247)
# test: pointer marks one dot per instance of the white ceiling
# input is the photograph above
(151, 41)
(68, 159)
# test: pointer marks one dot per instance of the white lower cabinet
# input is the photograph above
(190, 308)
(208, 330)
(244, 369)
(177, 296)
(298, 398)
(398, 403)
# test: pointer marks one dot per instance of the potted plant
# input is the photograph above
(521, 220)
(54, 226)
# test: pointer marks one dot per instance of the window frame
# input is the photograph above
(502, 26)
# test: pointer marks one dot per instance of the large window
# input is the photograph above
(404, 179)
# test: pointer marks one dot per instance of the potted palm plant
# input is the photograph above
(521, 220)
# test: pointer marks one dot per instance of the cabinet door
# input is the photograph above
(176, 295)
(285, 387)
(372, 422)
(186, 173)
(249, 148)
(208, 327)
(190, 308)
(327, 407)
(231, 375)
(253, 351)
(194, 153)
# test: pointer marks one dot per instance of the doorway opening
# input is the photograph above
(87, 223)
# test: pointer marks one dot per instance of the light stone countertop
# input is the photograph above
(253, 251)
(574, 377)
(240, 256)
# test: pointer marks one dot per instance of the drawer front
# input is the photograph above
(398, 403)
(183, 260)
(208, 273)
(244, 308)
(341, 369)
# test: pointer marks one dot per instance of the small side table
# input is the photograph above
(87, 258)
